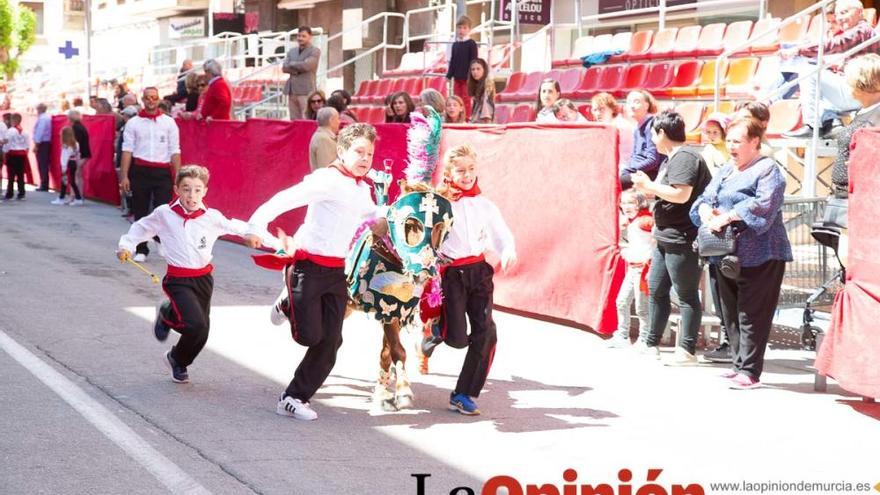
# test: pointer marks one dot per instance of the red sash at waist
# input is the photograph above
(325, 261)
(180, 272)
(144, 163)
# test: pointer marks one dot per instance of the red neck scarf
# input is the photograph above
(178, 208)
(154, 116)
(18, 128)
(344, 171)
(458, 193)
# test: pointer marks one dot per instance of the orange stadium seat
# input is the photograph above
(785, 115)
(725, 107)
(634, 78)
(740, 81)
(659, 76)
(570, 80)
(412, 85)
(513, 84)
(502, 114)
(639, 44)
(769, 43)
(707, 76)
(664, 43)
(589, 84)
(524, 112)
(687, 75)
(686, 43)
(711, 39)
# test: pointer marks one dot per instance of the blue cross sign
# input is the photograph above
(68, 50)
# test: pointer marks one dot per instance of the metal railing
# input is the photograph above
(437, 33)
(663, 11)
(813, 263)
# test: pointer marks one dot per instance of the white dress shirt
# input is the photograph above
(338, 205)
(188, 242)
(477, 227)
(152, 140)
(17, 140)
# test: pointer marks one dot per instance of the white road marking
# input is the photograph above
(168, 473)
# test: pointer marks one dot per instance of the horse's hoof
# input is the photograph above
(389, 405)
(404, 402)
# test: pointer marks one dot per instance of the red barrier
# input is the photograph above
(849, 350)
(565, 223)
(99, 176)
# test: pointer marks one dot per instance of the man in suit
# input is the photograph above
(301, 62)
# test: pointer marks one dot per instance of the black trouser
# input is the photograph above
(43, 164)
(675, 265)
(748, 306)
(318, 296)
(190, 314)
(714, 275)
(150, 187)
(467, 292)
(15, 173)
(70, 178)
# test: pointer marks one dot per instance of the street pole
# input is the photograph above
(210, 18)
(89, 47)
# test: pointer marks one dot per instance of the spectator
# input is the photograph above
(760, 112)
(337, 102)
(301, 62)
(217, 102)
(548, 93)
(121, 91)
(674, 263)
(641, 106)
(322, 147)
(316, 101)
(128, 100)
(636, 247)
(565, 111)
(401, 106)
(42, 141)
(389, 112)
(834, 94)
(78, 106)
(182, 92)
(462, 53)
(16, 143)
(433, 98)
(125, 197)
(85, 150)
(482, 89)
(748, 193)
(604, 108)
(195, 84)
(103, 107)
(713, 139)
(454, 110)
(344, 94)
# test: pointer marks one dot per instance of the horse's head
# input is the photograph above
(418, 223)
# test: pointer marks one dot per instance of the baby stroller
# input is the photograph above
(827, 233)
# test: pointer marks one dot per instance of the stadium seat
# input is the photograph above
(766, 73)
(639, 44)
(382, 90)
(554, 74)
(585, 110)
(706, 86)
(664, 44)
(499, 56)
(589, 84)
(633, 78)
(413, 86)
(711, 40)
(659, 76)
(621, 41)
(739, 81)
(870, 15)
(376, 115)
(687, 75)
(438, 83)
(514, 82)
(686, 43)
(365, 92)
(725, 107)
(581, 46)
(736, 34)
(795, 32)
(692, 113)
(397, 84)
(503, 113)
(612, 78)
(531, 85)
(524, 112)
(570, 80)
(785, 115)
(769, 43)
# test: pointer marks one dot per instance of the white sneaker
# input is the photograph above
(642, 349)
(288, 406)
(618, 343)
(140, 257)
(57, 201)
(77, 202)
(276, 313)
(682, 358)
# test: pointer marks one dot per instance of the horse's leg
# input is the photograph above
(403, 394)
(381, 393)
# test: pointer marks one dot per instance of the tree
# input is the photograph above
(18, 31)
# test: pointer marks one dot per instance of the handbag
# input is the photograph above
(711, 243)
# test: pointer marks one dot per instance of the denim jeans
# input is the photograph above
(674, 265)
(835, 96)
(628, 291)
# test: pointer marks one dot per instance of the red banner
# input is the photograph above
(99, 175)
(849, 352)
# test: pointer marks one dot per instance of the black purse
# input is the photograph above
(710, 243)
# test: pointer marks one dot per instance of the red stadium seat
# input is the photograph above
(530, 86)
(365, 92)
(397, 84)
(634, 78)
(590, 83)
(438, 83)
(570, 80)
(785, 115)
(687, 74)
(659, 76)
(686, 43)
(711, 39)
(513, 84)
(413, 86)
(612, 78)
(383, 89)
(585, 110)
(769, 43)
(664, 44)
(524, 112)
(639, 44)
(503, 113)
(376, 115)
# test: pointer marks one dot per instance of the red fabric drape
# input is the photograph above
(850, 349)
(100, 178)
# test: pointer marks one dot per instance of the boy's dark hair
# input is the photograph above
(671, 124)
(354, 131)
(336, 101)
(346, 96)
(464, 21)
(304, 29)
(15, 117)
(193, 172)
(757, 110)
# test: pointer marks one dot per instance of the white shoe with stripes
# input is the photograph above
(288, 406)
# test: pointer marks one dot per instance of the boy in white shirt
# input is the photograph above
(189, 230)
(316, 292)
(17, 144)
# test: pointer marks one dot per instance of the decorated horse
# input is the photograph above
(390, 275)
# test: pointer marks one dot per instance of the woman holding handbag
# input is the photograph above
(747, 193)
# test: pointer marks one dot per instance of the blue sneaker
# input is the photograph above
(160, 329)
(463, 404)
(178, 372)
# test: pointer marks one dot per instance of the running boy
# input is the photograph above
(189, 230)
(467, 280)
(316, 292)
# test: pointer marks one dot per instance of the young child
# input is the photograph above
(482, 89)
(69, 162)
(635, 227)
(316, 293)
(462, 52)
(17, 144)
(454, 110)
(713, 137)
(189, 230)
(467, 280)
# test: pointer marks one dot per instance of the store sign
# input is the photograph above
(186, 27)
(530, 11)
(608, 6)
